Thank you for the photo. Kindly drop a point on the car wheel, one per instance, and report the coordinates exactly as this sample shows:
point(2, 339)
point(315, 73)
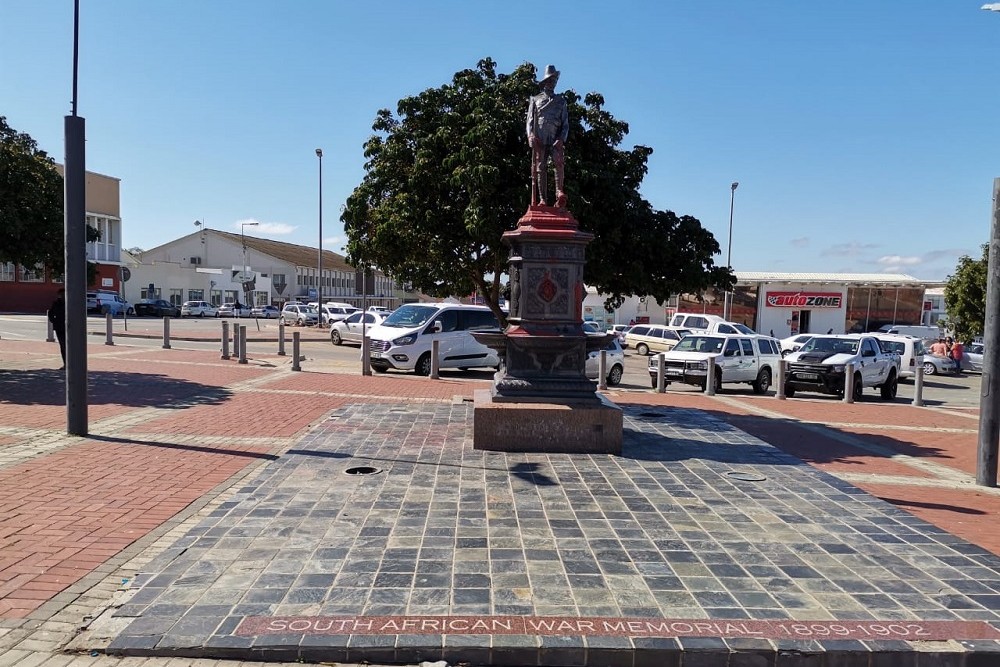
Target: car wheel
point(335, 337)
point(653, 381)
point(105, 309)
point(130, 312)
point(763, 381)
point(380, 369)
point(929, 368)
point(718, 381)
point(859, 388)
point(615, 376)
point(642, 349)
point(423, 366)
point(790, 392)
point(300, 322)
point(201, 314)
point(889, 388)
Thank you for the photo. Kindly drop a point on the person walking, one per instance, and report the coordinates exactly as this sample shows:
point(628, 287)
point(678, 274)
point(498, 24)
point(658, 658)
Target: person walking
point(940, 348)
point(57, 316)
point(957, 352)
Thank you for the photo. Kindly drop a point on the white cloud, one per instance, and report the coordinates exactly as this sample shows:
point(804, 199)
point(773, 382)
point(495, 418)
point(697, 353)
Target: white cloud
point(899, 260)
point(852, 249)
point(265, 228)
point(800, 242)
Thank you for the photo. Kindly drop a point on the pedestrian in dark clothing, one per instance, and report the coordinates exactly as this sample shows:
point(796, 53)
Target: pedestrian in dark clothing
point(57, 316)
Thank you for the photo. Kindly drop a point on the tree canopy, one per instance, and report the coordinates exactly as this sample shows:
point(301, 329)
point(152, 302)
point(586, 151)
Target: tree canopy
point(965, 296)
point(450, 172)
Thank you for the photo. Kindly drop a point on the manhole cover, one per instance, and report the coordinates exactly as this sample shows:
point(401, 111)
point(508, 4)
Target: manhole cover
point(362, 470)
point(746, 476)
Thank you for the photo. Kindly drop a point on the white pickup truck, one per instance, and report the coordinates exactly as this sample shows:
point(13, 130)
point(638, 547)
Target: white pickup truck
point(750, 359)
point(820, 365)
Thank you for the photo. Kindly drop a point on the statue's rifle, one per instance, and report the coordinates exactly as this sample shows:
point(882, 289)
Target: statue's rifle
point(534, 156)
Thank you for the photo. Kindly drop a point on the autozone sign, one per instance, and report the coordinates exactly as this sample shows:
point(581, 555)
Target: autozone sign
point(805, 299)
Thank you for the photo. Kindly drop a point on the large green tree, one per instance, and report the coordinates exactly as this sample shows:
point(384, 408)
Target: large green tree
point(965, 296)
point(449, 173)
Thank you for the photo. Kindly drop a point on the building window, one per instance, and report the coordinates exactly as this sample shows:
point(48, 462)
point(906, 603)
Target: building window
point(7, 272)
point(36, 274)
point(232, 296)
point(176, 297)
point(196, 295)
point(216, 297)
point(144, 293)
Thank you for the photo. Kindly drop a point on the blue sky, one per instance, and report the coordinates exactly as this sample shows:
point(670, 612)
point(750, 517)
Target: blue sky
point(862, 132)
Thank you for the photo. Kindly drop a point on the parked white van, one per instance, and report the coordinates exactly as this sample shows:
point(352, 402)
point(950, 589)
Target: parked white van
point(910, 350)
point(700, 323)
point(922, 332)
point(404, 339)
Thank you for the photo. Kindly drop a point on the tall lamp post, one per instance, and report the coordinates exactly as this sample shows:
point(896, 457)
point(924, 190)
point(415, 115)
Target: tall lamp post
point(319, 257)
point(243, 238)
point(727, 307)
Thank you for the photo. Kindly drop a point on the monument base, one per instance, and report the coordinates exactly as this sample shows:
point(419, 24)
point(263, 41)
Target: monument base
point(555, 428)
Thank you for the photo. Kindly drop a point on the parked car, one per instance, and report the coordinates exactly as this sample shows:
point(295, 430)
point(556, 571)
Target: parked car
point(793, 343)
point(266, 312)
point(972, 360)
point(934, 365)
point(198, 309)
point(156, 308)
point(299, 314)
point(698, 323)
point(592, 328)
point(614, 363)
point(334, 312)
point(646, 338)
point(352, 328)
point(233, 309)
point(404, 339)
point(619, 330)
point(821, 365)
point(910, 349)
point(380, 309)
point(103, 302)
point(738, 359)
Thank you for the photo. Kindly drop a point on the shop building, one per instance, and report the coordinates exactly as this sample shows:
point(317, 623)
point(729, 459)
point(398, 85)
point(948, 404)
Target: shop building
point(785, 304)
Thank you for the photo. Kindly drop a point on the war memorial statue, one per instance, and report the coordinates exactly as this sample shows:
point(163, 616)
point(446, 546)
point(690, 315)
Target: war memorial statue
point(547, 126)
point(542, 399)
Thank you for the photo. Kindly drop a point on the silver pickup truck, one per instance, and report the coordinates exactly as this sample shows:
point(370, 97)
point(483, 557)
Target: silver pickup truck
point(820, 365)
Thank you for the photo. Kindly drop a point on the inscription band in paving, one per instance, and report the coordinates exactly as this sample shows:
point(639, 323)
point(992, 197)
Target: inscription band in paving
point(614, 627)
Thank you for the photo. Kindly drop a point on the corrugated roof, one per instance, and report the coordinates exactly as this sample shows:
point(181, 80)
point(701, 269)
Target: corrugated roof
point(887, 278)
point(299, 255)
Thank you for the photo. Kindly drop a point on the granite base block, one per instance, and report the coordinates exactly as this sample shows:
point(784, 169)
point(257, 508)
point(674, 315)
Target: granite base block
point(564, 428)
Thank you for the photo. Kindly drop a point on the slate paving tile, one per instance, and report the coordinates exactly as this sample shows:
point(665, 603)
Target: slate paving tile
point(471, 537)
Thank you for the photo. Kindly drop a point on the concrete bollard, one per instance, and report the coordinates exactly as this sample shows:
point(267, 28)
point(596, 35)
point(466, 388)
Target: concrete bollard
point(849, 383)
point(661, 373)
point(779, 392)
point(243, 344)
point(109, 328)
point(166, 332)
point(295, 351)
point(50, 336)
point(435, 359)
point(281, 338)
point(225, 339)
point(918, 386)
point(710, 377)
point(366, 360)
point(602, 370)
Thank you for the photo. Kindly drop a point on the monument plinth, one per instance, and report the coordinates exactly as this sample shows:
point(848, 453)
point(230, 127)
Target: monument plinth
point(541, 399)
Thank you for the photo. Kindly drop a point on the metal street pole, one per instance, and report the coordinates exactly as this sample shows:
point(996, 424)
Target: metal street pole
point(243, 239)
point(75, 240)
point(319, 258)
point(989, 411)
point(727, 305)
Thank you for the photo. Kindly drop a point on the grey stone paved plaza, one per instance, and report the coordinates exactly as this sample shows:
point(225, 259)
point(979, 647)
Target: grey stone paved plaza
point(754, 556)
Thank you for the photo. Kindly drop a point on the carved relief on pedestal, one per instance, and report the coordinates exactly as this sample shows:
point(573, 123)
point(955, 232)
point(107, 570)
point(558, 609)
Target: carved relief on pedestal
point(546, 292)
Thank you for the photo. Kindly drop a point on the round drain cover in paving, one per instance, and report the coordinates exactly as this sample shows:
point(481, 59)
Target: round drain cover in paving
point(744, 476)
point(362, 470)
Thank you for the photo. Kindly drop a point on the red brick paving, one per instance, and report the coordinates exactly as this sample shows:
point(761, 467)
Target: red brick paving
point(66, 513)
point(376, 385)
point(51, 416)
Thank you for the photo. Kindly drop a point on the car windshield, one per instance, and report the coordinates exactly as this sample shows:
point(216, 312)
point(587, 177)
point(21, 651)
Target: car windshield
point(409, 316)
point(742, 328)
point(700, 344)
point(838, 345)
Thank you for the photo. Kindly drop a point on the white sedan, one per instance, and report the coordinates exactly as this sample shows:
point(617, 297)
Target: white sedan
point(793, 343)
point(614, 363)
point(354, 326)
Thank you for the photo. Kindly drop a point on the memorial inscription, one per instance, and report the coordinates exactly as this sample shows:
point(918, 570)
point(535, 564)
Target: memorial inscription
point(615, 627)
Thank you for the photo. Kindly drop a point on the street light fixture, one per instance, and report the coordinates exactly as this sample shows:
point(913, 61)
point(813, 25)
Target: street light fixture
point(727, 307)
point(243, 226)
point(319, 257)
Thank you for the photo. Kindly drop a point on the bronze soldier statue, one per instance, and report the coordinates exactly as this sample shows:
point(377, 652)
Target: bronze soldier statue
point(547, 127)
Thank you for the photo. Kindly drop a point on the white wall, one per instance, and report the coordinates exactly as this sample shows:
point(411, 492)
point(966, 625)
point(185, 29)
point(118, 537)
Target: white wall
point(821, 320)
